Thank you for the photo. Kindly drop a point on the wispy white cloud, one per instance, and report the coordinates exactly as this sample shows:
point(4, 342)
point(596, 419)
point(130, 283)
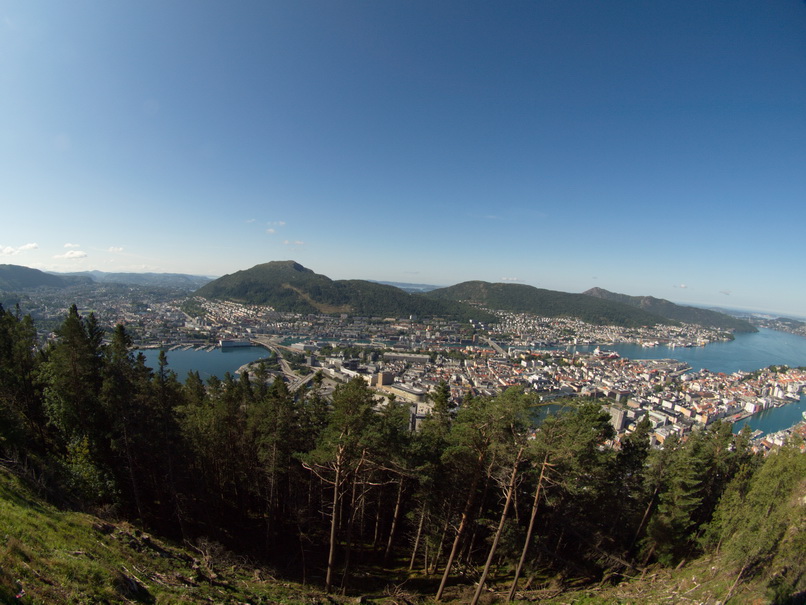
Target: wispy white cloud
point(295, 243)
point(276, 223)
point(115, 249)
point(72, 254)
point(510, 279)
point(69, 245)
point(250, 220)
point(681, 286)
point(12, 251)
point(271, 231)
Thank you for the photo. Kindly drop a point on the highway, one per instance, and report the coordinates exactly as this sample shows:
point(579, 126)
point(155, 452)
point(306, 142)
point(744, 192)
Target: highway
point(295, 381)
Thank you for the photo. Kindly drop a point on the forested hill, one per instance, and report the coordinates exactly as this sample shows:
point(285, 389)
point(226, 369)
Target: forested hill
point(334, 489)
point(548, 303)
point(670, 310)
point(175, 280)
point(288, 286)
point(14, 278)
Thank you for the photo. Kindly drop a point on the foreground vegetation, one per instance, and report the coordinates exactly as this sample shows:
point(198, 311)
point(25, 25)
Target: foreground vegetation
point(478, 504)
point(53, 556)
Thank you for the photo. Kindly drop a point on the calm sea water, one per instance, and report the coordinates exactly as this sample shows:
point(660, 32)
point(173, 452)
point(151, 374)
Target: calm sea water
point(207, 363)
point(748, 352)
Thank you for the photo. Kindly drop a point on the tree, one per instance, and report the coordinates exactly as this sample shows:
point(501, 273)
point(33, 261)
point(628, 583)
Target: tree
point(483, 428)
point(341, 453)
point(21, 414)
point(72, 377)
point(572, 471)
point(760, 523)
point(271, 426)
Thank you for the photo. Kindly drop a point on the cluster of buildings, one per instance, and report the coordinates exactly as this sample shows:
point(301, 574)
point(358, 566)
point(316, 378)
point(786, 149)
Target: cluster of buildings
point(409, 357)
point(674, 399)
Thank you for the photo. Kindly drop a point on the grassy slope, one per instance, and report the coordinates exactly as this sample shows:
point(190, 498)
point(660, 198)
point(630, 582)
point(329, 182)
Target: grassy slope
point(67, 557)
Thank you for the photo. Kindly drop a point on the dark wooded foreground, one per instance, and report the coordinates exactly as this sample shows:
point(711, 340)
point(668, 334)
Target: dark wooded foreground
point(340, 493)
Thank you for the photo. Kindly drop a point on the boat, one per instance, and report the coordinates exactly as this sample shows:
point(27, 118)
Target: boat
point(229, 344)
point(803, 414)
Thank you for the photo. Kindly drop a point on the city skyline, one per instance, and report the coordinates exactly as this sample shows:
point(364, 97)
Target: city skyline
point(647, 149)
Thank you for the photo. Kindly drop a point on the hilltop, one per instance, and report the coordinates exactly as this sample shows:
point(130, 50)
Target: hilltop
point(288, 286)
point(674, 312)
point(15, 277)
point(174, 280)
point(521, 298)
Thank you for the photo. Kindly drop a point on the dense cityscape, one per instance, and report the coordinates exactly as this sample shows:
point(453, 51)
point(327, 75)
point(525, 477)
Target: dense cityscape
point(409, 357)
point(343, 432)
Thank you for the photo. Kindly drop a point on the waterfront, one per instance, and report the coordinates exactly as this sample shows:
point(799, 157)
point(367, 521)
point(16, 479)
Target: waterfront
point(774, 419)
point(207, 363)
point(748, 352)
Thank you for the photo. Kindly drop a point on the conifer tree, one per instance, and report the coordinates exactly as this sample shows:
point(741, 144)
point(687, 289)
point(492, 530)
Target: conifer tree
point(340, 455)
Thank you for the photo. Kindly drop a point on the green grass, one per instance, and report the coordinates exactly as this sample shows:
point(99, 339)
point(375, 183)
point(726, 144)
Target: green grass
point(55, 556)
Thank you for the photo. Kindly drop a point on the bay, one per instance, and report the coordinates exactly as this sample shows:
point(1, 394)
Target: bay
point(774, 419)
point(748, 352)
point(207, 363)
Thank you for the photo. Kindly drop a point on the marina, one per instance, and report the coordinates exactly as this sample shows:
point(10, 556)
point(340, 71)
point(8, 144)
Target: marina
point(748, 352)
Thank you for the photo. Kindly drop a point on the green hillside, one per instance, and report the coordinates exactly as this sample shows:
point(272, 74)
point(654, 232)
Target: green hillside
point(288, 286)
point(53, 556)
point(548, 303)
point(674, 312)
point(177, 280)
point(14, 278)
point(336, 491)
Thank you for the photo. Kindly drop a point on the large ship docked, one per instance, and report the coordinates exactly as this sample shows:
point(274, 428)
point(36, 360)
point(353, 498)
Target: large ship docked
point(231, 344)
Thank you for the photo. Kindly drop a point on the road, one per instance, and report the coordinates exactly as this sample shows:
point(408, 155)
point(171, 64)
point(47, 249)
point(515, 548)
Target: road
point(295, 381)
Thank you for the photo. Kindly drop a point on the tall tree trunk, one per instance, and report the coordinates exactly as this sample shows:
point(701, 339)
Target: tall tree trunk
point(395, 517)
point(645, 517)
point(376, 535)
point(334, 520)
point(130, 464)
point(417, 539)
point(497, 538)
point(530, 530)
point(351, 520)
point(460, 532)
point(441, 544)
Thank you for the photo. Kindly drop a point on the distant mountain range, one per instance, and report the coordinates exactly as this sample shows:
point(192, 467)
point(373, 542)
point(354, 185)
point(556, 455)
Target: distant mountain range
point(670, 310)
point(407, 287)
point(521, 298)
point(15, 278)
point(288, 286)
point(174, 280)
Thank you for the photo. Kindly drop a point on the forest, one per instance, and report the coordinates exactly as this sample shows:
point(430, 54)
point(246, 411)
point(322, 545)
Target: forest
point(342, 493)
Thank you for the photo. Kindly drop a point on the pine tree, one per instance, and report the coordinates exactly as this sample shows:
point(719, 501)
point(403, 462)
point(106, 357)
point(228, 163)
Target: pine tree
point(340, 455)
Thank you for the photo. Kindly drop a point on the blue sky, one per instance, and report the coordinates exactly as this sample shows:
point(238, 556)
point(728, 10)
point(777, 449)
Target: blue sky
point(646, 147)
